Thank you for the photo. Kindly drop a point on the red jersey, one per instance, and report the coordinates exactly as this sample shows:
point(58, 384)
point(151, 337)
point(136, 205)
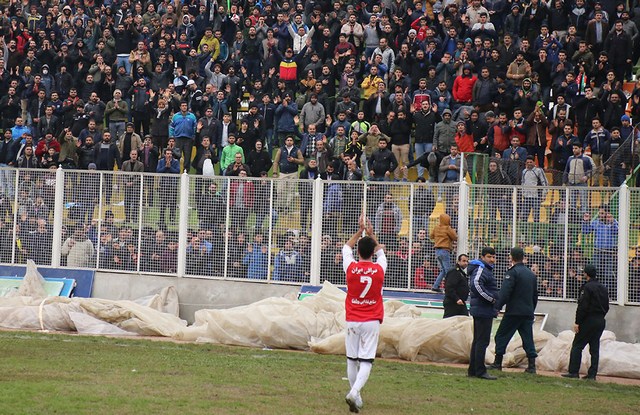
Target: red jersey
point(364, 287)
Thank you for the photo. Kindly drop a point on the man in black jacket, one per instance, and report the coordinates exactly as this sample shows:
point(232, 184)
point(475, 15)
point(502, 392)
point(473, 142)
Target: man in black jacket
point(383, 162)
point(519, 292)
point(456, 289)
point(593, 305)
point(425, 121)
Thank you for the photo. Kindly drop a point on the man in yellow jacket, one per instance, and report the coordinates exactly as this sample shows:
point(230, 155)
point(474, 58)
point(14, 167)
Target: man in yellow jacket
point(370, 82)
point(443, 237)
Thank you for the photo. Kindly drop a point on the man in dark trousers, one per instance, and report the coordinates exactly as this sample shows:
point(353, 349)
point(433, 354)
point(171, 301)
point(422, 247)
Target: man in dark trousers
point(456, 289)
point(484, 296)
point(593, 305)
point(519, 292)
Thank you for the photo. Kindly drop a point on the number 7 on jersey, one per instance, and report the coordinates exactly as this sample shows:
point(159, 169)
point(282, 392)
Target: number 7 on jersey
point(365, 280)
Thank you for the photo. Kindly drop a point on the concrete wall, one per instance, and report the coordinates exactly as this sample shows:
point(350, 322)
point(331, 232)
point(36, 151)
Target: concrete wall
point(196, 294)
point(623, 321)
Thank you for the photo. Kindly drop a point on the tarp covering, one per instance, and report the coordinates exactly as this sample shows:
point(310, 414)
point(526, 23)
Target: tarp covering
point(316, 324)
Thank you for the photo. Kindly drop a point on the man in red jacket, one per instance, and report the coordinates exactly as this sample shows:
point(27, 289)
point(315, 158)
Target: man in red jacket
point(463, 86)
point(364, 307)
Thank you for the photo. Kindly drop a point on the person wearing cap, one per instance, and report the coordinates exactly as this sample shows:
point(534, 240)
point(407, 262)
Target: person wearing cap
point(519, 293)
point(128, 141)
point(116, 113)
point(593, 306)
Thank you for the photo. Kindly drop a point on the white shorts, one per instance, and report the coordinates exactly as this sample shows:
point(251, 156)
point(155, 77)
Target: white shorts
point(361, 340)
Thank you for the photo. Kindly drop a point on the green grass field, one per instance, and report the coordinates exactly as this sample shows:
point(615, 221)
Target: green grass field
point(68, 374)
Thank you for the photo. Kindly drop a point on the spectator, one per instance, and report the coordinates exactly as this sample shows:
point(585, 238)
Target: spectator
point(78, 249)
point(383, 162)
point(128, 141)
point(599, 141)
point(285, 167)
point(168, 186)
point(388, 220)
point(132, 186)
point(183, 129)
point(116, 112)
point(605, 231)
point(287, 263)
point(577, 172)
point(257, 258)
point(444, 238)
point(531, 197)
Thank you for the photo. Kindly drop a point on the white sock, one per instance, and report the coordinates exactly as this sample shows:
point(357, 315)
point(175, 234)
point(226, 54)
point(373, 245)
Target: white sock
point(363, 376)
point(352, 371)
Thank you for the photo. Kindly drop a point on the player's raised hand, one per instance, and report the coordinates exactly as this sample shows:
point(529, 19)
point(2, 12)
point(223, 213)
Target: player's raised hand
point(368, 227)
point(362, 222)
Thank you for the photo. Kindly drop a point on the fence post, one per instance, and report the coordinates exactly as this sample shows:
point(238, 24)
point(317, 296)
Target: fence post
point(565, 270)
point(58, 209)
point(14, 231)
point(141, 200)
point(316, 231)
point(183, 224)
point(624, 213)
point(463, 218)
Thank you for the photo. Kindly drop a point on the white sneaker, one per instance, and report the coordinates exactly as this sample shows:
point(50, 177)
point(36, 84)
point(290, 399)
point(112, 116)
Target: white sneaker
point(352, 401)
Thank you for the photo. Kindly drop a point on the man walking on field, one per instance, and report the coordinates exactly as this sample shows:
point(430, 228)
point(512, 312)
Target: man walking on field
point(364, 308)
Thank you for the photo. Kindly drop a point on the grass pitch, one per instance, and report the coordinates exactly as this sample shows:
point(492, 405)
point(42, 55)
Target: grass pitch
point(68, 374)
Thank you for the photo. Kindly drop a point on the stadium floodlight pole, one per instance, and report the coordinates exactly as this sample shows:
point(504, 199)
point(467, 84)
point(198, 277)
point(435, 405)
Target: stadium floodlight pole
point(183, 224)
point(58, 209)
point(623, 242)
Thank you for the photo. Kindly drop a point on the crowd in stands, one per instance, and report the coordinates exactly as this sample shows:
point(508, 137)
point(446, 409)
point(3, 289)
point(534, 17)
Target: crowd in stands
point(340, 90)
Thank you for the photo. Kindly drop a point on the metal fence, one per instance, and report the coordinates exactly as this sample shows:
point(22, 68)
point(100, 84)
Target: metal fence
point(292, 231)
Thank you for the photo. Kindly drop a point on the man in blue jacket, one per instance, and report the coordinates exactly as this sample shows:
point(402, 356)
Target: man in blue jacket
point(519, 292)
point(605, 245)
point(183, 129)
point(284, 116)
point(484, 296)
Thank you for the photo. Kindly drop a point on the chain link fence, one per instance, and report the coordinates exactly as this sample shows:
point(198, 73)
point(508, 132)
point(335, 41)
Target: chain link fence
point(292, 231)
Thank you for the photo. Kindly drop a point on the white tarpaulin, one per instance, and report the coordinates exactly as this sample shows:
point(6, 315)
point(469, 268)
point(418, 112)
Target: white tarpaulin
point(315, 323)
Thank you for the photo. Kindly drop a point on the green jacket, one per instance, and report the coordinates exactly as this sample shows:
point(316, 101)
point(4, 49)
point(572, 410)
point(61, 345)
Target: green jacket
point(229, 154)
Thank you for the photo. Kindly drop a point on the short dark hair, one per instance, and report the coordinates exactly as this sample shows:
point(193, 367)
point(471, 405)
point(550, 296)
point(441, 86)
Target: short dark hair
point(461, 256)
point(517, 254)
point(366, 246)
point(488, 250)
